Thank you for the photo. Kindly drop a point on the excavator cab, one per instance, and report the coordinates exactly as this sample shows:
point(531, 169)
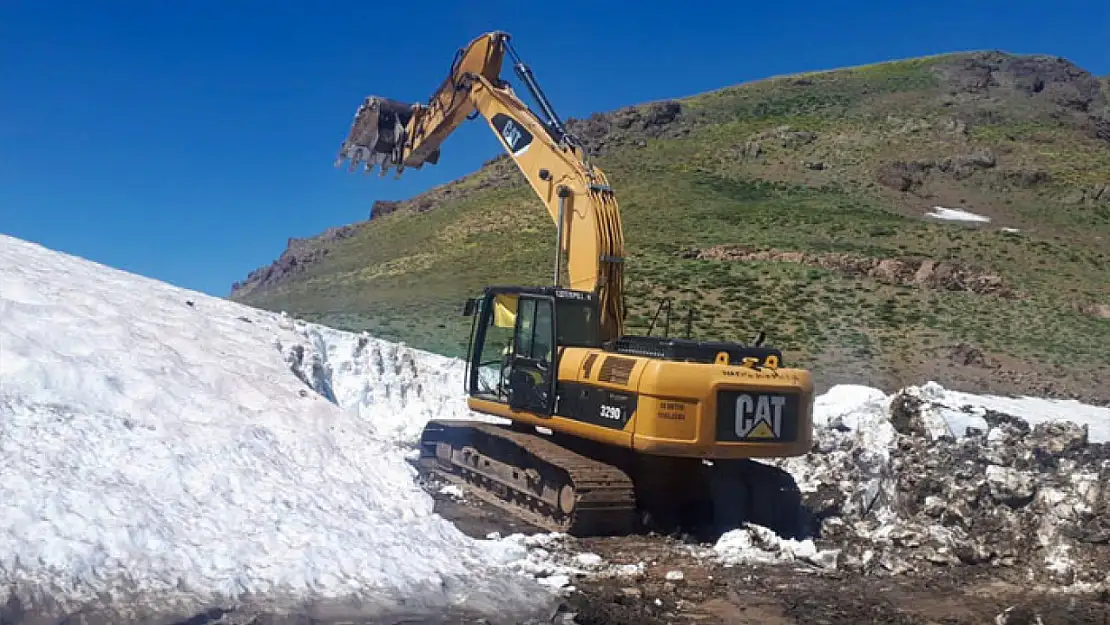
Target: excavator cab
point(514, 339)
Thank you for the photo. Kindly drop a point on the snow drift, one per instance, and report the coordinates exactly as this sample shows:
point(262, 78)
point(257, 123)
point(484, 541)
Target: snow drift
point(158, 453)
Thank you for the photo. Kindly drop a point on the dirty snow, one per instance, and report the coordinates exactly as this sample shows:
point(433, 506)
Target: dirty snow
point(551, 560)
point(157, 449)
point(753, 543)
point(932, 477)
point(959, 410)
point(956, 214)
point(452, 491)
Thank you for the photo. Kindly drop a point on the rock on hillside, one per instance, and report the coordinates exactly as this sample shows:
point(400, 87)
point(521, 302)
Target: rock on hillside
point(632, 126)
point(915, 272)
point(1053, 84)
point(1053, 80)
point(298, 254)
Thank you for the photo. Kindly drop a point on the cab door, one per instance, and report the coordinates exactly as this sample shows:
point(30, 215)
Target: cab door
point(533, 370)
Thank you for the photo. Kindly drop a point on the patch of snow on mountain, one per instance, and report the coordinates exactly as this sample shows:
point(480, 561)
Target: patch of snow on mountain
point(956, 214)
point(158, 450)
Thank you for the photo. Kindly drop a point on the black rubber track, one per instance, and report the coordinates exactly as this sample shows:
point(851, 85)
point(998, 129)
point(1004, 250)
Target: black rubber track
point(605, 495)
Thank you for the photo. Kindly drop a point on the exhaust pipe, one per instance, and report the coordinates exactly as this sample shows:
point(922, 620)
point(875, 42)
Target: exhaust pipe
point(377, 135)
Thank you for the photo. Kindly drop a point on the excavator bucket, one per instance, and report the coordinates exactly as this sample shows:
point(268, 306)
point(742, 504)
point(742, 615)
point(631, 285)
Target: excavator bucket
point(377, 134)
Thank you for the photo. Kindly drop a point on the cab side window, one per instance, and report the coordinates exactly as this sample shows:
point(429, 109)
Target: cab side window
point(541, 340)
point(534, 337)
point(527, 315)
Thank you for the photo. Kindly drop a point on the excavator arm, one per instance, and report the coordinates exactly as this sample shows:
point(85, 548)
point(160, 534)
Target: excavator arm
point(577, 194)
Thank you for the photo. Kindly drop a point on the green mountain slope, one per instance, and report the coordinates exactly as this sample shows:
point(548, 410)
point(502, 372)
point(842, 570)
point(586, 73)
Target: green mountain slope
point(794, 205)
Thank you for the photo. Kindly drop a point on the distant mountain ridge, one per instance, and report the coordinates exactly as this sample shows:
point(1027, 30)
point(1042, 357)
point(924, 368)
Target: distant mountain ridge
point(839, 164)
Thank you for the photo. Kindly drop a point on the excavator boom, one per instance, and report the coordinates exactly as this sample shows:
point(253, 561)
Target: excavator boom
point(391, 134)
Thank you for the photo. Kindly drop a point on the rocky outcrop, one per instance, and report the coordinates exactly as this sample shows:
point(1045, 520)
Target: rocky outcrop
point(1026, 178)
point(1100, 127)
point(1053, 79)
point(970, 356)
point(496, 173)
point(602, 133)
point(786, 136)
point(1066, 90)
point(383, 207)
point(916, 272)
point(299, 254)
point(749, 151)
point(902, 175)
point(910, 175)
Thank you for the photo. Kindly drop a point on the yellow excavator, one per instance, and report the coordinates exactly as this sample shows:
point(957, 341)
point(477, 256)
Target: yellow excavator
point(609, 433)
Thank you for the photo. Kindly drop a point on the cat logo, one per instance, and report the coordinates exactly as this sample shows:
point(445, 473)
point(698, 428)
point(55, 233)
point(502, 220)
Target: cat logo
point(759, 416)
point(516, 137)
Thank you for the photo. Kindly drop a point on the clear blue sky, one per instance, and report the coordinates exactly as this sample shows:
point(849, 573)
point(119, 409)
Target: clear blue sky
point(187, 141)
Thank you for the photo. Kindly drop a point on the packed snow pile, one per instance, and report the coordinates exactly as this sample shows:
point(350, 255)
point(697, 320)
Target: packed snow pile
point(159, 454)
point(393, 388)
point(931, 477)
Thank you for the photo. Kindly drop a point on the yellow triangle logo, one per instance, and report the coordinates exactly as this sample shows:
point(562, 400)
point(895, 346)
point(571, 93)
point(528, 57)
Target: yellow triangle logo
point(761, 431)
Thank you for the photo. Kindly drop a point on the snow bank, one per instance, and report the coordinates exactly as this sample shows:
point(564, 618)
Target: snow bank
point(932, 477)
point(158, 453)
point(956, 214)
point(960, 410)
point(394, 389)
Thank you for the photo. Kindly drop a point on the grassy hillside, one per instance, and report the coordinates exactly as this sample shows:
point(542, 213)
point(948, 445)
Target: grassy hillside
point(794, 205)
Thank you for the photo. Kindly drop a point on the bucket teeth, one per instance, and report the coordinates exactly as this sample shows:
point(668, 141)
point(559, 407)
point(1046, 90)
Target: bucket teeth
point(376, 136)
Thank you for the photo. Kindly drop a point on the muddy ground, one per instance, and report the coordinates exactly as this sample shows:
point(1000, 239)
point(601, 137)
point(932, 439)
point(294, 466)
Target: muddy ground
point(782, 594)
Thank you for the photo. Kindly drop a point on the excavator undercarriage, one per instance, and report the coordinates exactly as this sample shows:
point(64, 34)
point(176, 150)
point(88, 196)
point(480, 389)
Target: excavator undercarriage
point(550, 482)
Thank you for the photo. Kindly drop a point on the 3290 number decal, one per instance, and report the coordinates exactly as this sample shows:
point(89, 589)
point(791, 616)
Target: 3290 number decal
point(610, 412)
